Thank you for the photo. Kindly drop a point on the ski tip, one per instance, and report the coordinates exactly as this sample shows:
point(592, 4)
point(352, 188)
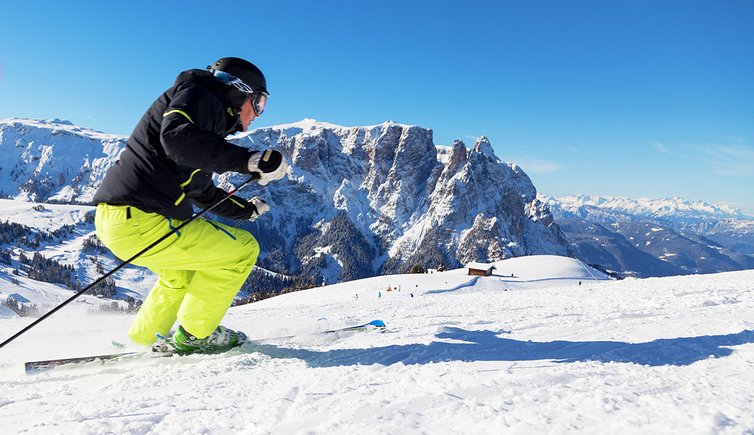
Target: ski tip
point(30, 368)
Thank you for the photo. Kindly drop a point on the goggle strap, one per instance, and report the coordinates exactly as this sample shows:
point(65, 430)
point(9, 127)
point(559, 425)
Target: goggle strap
point(258, 99)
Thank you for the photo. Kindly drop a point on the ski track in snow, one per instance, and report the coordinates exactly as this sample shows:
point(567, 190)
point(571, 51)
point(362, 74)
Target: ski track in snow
point(530, 354)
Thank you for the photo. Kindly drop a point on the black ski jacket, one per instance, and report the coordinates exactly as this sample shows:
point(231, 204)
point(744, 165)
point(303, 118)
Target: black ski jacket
point(169, 158)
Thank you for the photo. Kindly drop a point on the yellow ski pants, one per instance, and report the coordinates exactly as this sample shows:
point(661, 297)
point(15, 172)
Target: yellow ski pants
point(200, 268)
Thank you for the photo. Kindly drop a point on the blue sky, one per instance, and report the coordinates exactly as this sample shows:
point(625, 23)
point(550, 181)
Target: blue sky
point(630, 98)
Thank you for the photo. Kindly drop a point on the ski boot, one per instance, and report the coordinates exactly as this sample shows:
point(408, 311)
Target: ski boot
point(183, 343)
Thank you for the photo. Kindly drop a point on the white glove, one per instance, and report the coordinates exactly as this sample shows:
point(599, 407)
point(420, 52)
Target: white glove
point(261, 207)
point(270, 165)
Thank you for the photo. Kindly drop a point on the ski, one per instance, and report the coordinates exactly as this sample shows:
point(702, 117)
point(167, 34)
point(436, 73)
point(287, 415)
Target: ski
point(33, 367)
point(374, 325)
point(39, 366)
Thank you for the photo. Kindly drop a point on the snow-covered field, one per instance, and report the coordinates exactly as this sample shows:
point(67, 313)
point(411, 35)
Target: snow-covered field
point(549, 350)
point(132, 280)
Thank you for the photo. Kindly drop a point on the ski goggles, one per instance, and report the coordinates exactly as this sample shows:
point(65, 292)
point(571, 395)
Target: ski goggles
point(258, 98)
point(258, 102)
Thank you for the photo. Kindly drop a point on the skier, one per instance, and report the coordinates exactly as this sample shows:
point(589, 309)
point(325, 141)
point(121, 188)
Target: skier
point(166, 169)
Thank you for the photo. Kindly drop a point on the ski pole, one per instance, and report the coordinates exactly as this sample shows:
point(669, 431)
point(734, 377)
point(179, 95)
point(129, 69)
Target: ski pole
point(254, 176)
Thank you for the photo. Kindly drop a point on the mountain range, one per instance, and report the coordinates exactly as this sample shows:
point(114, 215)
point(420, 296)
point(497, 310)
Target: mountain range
point(356, 202)
point(655, 237)
point(362, 201)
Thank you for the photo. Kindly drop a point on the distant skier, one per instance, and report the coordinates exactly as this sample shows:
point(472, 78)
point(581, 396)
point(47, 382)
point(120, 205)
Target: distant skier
point(166, 169)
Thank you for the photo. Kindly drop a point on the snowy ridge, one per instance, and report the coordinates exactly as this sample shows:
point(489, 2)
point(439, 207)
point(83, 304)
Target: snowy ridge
point(655, 237)
point(668, 208)
point(549, 350)
point(313, 124)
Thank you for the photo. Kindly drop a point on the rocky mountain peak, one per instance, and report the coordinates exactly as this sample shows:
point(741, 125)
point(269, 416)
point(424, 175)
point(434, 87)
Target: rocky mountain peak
point(357, 201)
point(483, 146)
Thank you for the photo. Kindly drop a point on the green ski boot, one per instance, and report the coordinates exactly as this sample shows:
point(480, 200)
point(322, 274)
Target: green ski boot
point(221, 340)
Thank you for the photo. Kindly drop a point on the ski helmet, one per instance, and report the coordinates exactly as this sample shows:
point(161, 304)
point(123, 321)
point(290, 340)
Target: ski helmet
point(244, 70)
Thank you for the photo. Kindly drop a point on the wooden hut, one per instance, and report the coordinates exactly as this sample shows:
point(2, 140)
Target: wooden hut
point(480, 269)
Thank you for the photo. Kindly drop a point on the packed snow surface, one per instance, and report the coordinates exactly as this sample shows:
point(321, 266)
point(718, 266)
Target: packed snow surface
point(553, 348)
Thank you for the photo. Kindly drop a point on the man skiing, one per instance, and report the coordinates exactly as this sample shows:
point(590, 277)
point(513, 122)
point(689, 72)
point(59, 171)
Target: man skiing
point(165, 169)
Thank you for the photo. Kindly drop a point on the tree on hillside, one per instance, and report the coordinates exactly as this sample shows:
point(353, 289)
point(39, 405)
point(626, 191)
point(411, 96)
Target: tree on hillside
point(417, 268)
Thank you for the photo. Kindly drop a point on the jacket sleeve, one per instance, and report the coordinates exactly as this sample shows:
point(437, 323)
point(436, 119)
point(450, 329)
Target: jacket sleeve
point(188, 133)
point(204, 193)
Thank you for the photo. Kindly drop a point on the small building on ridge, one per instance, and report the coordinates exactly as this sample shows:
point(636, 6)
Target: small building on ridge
point(480, 269)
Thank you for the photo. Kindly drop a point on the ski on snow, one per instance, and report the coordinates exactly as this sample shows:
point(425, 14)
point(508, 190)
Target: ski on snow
point(40, 366)
point(374, 325)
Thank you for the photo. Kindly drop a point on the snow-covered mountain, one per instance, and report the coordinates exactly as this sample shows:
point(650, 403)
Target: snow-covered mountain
point(673, 209)
point(535, 353)
point(405, 201)
point(656, 237)
point(357, 201)
point(53, 160)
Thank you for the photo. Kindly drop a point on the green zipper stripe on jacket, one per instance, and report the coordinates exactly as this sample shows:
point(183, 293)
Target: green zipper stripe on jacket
point(237, 203)
point(181, 112)
point(180, 198)
point(184, 184)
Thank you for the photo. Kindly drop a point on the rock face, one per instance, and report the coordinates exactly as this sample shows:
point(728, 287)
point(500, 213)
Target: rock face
point(396, 199)
point(357, 201)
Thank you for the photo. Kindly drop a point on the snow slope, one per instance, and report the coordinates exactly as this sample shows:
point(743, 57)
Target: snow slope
point(533, 353)
point(131, 280)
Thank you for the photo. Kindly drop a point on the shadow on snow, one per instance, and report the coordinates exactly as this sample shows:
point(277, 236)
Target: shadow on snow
point(488, 346)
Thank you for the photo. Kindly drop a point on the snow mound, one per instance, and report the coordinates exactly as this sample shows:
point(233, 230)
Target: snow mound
point(547, 267)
